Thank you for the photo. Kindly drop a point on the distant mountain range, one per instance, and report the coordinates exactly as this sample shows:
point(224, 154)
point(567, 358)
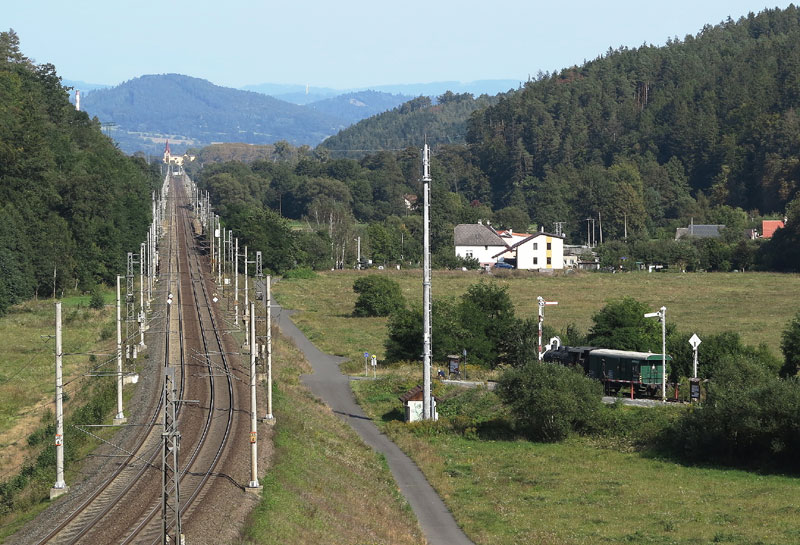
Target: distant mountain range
point(302, 94)
point(142, 113)
point(190, 112)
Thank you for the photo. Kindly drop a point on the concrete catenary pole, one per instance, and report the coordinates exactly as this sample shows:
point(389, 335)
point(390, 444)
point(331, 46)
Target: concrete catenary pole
point(120, 418)
point(426, 287)
point(247, 314)
point(270, 417)
point(60, 487)
point(253, 419)
point(236, 283)
point(142, 324)
point(220, 237)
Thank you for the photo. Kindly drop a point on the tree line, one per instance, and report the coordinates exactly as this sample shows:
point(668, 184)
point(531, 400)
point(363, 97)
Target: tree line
point(72, 204)
point(641, 141)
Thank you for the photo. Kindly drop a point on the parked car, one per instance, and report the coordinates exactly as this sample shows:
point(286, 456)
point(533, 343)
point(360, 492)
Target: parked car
point(503, 265)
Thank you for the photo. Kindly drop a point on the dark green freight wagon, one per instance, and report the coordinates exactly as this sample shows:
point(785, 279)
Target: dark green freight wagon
point(626, 370)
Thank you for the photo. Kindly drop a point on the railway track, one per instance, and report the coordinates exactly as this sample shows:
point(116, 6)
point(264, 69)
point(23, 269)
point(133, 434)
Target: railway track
point(126, 507)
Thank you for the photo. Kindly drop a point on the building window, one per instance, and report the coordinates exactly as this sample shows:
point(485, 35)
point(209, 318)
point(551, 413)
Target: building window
point(469, 253)
point(549, 245)
point(535, 245)
point(535, 260)
point(549, 260)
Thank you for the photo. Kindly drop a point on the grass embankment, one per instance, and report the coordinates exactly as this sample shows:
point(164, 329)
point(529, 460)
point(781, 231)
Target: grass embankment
point(756, 305)
point(325, 485)
point(27, 387)
point(504, 490)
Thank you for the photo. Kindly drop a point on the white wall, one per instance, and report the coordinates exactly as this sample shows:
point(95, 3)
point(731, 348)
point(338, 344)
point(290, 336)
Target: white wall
point(482, 253)
point(534, 253)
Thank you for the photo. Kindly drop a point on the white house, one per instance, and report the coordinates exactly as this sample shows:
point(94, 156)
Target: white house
point(538, 251)
point(478, 241)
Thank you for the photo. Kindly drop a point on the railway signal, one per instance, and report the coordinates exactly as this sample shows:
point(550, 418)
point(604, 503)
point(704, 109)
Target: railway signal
point(661, 314)
point(542, 304)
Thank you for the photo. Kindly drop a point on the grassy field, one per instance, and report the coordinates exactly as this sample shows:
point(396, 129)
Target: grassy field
point(506, 491)
point(756, 305)
point(583, 491)
point(325, 485)
point(27, 382)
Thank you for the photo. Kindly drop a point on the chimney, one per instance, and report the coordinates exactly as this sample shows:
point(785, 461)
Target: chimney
point(479, 222)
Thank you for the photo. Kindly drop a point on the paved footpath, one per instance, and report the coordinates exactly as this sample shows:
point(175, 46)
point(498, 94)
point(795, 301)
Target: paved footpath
point(333, 388)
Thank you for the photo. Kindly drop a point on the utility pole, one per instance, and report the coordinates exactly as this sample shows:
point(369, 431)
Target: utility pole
point(269, 418)
point(253, 485)
point(120, 418)
point(142, 325)
point(170, 471)
point(220, 236)
point(130, 303)
point(236, 284)
point(60, 487)
point(358, 266)
point(426, 286)
point(247, 314)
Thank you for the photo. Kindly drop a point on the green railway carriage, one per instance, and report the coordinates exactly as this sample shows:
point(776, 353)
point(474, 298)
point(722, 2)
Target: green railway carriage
point(623, 369)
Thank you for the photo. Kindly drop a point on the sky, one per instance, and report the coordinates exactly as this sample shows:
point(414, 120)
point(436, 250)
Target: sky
point(346, 43)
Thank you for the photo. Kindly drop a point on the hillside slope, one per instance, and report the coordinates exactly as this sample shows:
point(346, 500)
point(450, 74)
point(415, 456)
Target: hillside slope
point(720, 108)
point(194, 112)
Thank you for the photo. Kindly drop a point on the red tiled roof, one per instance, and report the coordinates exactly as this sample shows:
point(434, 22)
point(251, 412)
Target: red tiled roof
point(768, 227)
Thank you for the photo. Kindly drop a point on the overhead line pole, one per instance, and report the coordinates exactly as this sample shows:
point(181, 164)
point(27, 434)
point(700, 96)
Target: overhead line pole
point(426, 287)
point(120, 418)
point(60, 487)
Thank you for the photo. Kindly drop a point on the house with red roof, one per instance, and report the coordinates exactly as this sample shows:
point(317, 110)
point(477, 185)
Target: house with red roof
point(768, 227)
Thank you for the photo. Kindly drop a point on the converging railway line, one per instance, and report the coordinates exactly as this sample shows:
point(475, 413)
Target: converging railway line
point(210, 389)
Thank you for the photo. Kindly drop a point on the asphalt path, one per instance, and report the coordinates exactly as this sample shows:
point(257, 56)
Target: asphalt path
point(329, 384)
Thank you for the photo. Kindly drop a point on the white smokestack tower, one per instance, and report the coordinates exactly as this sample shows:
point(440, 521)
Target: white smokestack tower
point(78, 100)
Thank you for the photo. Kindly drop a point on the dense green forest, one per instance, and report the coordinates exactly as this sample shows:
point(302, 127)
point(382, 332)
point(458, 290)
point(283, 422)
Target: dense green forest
point(72, 203)
point(409, 124)
point(704, 130)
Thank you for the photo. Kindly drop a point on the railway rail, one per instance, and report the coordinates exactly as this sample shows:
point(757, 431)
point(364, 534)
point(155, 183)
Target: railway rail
point(126, 507)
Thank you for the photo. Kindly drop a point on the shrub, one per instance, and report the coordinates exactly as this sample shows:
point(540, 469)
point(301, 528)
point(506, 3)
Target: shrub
point(96, 302)
point(790, 346)
point(749, 419)
point(548, 401)
point(378, 296)
point(300, 273)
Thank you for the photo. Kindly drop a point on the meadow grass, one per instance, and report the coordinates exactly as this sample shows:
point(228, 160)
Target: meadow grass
point(758, 306)
point(27, 362)
point(324, 485)
point(505, 490)
point(582, 491)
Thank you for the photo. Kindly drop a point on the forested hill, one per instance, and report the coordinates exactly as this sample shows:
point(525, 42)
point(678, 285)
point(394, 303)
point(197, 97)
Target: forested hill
point(72, 204)
point(193, 112)
point(635, 131)
point(409, 124)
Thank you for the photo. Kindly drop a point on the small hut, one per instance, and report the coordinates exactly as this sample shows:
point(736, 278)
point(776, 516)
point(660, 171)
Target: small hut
point(412, 401)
